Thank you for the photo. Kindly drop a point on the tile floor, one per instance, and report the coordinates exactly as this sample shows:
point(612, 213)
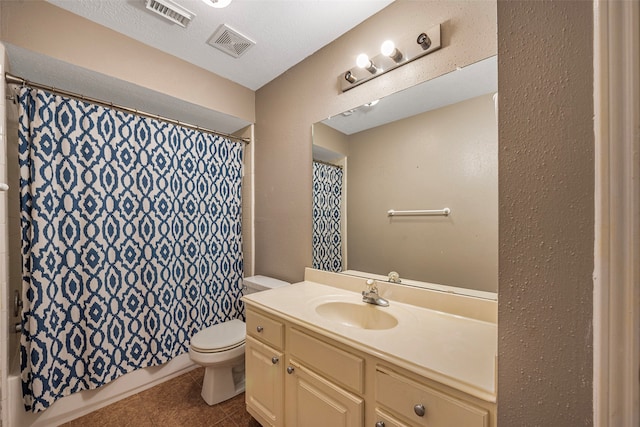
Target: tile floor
point(174, 403)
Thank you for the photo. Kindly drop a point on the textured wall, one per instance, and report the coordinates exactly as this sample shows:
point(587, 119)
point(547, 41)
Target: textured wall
point(546, 184)
point(308, 93)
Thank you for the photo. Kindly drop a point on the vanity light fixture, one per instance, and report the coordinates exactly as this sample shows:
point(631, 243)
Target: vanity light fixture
point(390, 57)
point(219, 4)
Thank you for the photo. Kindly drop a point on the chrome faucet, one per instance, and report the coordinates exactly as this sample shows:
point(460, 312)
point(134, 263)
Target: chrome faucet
point(371, 296)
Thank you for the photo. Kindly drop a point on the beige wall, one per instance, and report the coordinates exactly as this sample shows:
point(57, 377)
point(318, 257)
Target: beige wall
point(46, 29)
point(248, 252)
point(331, 139)
point(308, 93)
point(546, 181)
point(443, 158)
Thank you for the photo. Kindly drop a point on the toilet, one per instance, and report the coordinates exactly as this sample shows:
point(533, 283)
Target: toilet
point(220, 349)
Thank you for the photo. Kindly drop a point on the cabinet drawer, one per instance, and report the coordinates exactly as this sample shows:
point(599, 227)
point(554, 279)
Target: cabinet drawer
point(265, 329)
point(404, 397)
point(387, 420)
point(340, 366)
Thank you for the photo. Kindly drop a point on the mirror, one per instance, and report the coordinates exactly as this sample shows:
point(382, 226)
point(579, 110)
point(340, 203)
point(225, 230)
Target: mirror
point(427, 148)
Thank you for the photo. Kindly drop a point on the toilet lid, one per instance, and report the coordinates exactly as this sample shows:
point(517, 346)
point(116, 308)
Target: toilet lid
point(220, 337)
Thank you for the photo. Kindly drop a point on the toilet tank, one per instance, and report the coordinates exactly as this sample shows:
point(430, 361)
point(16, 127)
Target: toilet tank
point(261, 283)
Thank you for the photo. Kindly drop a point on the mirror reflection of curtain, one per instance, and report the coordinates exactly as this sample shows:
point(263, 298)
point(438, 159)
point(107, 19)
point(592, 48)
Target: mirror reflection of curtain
point(327, 200)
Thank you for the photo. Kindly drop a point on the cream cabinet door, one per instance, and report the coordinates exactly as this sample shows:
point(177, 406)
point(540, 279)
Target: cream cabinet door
point(264, 389)
point(313, 401)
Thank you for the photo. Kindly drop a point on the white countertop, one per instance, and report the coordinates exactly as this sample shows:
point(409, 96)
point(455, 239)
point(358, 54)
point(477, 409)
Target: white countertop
point(454, 350)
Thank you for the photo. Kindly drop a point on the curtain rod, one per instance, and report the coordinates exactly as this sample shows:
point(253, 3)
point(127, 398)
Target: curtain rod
point(327, 163)
point(11, 79)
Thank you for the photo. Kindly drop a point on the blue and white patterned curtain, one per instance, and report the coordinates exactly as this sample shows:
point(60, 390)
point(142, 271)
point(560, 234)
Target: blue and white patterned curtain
point(327, 200)
point(131, 242)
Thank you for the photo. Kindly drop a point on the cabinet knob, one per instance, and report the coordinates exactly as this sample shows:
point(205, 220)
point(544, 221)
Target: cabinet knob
point(419, 410)
point(274, 360)
point(380, 424)
point(259, 329)
point(290, 369)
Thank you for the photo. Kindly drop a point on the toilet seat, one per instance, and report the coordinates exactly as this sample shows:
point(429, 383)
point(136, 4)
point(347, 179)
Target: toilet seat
point(216, 350)
point(221, 337)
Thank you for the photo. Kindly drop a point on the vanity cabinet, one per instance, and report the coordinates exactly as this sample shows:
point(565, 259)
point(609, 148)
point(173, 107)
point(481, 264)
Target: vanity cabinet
point(297, 377)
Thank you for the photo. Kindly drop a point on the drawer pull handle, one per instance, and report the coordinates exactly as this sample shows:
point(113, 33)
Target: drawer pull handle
point(274, 360)
point(259, 329)
point(290, 369)
point(380, 424)
point(419, 410)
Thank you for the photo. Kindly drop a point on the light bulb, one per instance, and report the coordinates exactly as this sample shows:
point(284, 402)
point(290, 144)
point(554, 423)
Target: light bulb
point(387, 48)
point(362, 61)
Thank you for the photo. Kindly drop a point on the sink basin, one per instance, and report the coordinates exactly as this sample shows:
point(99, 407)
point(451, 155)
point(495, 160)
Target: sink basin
point(363, 316)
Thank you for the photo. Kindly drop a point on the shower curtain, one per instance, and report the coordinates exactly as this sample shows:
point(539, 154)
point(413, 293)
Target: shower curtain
point(327, 202)
point(131, 242)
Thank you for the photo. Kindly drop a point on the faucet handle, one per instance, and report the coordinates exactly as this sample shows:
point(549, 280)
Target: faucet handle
point(371, 285)
point(394, 277)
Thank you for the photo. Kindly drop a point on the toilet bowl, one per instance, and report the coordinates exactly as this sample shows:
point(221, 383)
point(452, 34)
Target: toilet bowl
point(220, 349)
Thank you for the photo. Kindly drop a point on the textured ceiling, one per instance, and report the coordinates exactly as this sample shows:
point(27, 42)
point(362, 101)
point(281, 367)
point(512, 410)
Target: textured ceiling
point(285, 31)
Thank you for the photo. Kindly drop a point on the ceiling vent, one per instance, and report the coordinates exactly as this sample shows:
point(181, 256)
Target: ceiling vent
point(230, 41)
point(171, 11)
